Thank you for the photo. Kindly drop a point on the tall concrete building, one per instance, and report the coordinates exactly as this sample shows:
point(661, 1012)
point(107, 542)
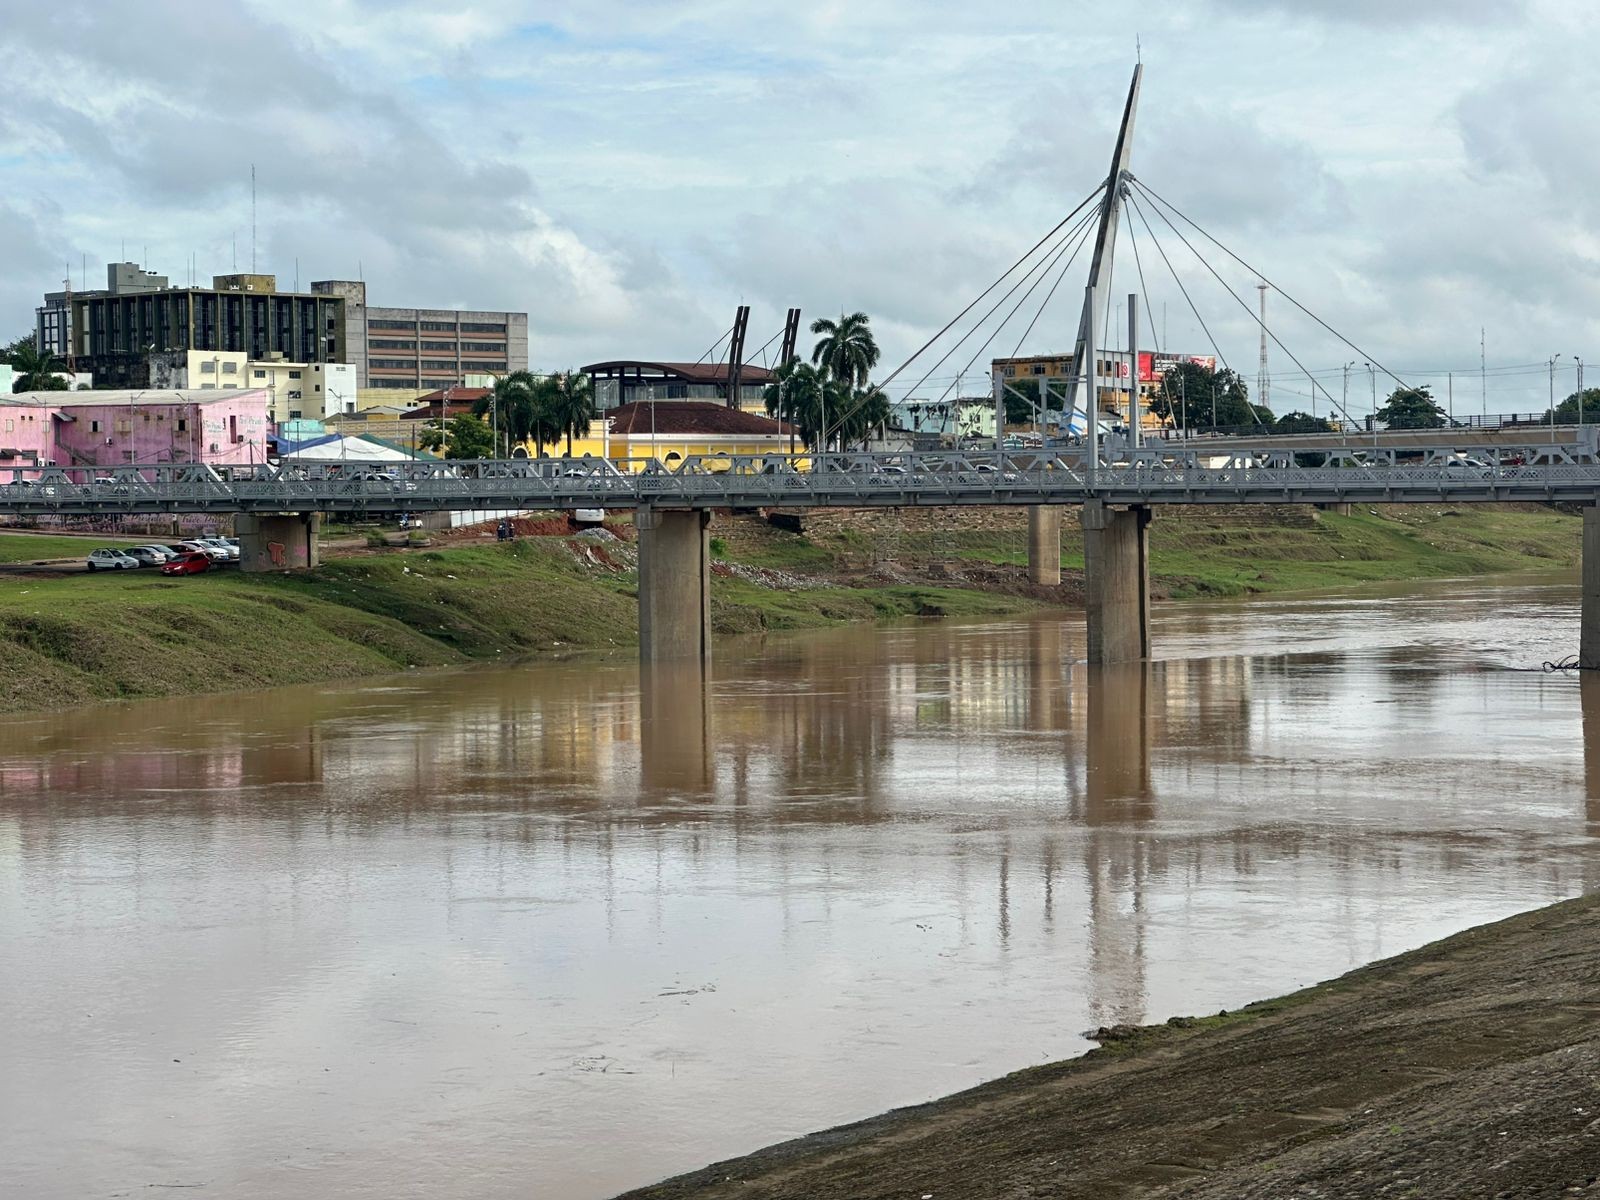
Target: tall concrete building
point(53, 318)
point(425, 349)
point(115, 334)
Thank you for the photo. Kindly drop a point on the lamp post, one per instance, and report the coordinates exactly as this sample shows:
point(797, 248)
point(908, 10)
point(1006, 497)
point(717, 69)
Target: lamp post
point(1553, 358)
point(1344, 399)
point(1579, 361)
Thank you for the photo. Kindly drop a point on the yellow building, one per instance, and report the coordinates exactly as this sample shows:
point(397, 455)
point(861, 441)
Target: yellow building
point(670, 431)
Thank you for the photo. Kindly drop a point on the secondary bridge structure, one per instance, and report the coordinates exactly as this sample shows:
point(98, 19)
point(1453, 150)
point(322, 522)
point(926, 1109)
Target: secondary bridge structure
point(277, 508)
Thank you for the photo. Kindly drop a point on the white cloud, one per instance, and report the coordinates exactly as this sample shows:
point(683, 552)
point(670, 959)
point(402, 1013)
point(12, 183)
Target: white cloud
point(628, 172)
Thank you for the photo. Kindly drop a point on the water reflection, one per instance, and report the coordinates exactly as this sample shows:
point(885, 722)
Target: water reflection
point(544, 920)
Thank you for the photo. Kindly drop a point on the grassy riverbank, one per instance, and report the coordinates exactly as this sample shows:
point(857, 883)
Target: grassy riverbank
point(70, 639)
point(1465, 1068)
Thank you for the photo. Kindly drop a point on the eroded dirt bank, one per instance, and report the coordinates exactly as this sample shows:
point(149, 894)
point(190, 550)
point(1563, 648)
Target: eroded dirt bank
point(1468, 1068)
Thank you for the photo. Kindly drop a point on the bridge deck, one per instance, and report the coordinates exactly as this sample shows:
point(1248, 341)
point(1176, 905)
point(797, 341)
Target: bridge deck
point(1266, 473)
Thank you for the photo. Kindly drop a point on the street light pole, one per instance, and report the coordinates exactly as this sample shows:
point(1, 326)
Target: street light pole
point(1579, 361)
point(1553, 358)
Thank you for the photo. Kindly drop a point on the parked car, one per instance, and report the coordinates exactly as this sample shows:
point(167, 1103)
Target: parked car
point(150, 556)
point(107, 559)
point(215, 543)
point(214, 553)
point(190, 562)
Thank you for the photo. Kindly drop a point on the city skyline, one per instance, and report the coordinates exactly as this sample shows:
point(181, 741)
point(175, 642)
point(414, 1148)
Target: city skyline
point(627, 178)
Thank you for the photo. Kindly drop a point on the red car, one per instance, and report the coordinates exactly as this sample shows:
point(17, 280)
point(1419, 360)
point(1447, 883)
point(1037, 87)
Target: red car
point(191, 562)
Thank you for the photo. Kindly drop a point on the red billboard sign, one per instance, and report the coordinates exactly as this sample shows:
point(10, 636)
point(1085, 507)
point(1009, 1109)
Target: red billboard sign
point(1152, 366)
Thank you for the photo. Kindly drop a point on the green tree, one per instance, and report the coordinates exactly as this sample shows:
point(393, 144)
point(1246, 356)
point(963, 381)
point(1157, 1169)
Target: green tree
point(1302, 422)
point(1411, 408)
point(1567, 410)
point(8, 350)
point(465, 436)
point(846, 350)
point(1020, 408)
point(805, 396)
point(1195, 396)
point(863, 413)
point(35, 369)
point(570, 405)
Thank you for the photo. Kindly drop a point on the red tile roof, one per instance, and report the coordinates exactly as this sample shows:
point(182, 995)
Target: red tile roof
point(455, 401)
point(680, 417)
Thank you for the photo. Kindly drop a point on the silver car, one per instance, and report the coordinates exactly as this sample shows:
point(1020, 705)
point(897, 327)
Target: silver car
point(151, 556)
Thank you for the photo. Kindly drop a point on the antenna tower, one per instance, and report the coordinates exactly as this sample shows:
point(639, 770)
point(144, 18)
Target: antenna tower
point(1262, 392)
point(252, 218)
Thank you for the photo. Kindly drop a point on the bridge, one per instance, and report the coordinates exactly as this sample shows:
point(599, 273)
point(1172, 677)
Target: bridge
point(1118, 482)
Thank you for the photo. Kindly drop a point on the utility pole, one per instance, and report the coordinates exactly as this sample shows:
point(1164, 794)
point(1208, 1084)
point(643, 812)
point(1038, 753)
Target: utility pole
point(1483, 374)
point(1262, 394)
point(1579, 361)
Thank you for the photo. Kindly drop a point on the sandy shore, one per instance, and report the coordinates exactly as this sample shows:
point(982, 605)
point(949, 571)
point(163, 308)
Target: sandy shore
point(1467, 1068)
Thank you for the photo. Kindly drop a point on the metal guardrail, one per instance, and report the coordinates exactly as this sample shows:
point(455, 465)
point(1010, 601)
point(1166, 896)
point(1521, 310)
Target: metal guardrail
point(1153, 475)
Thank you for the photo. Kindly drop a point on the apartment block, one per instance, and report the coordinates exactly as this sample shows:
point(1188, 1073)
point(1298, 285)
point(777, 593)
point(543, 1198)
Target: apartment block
point(53, 319)
point(295, 390)
point(115, 334)
point(412, 349)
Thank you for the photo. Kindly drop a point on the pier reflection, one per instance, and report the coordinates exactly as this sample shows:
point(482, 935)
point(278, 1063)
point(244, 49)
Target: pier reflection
point(929, 853)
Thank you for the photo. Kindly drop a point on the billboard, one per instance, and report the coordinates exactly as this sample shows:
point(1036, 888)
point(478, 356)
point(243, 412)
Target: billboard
point(1152, 366)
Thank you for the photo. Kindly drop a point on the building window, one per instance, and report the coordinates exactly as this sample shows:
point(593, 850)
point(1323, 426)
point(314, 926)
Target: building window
point(1038, 369)
point(439, 326)
point(391, 344)
point(316, 387)
point(391, 324)
point(258, 374)
point(393, 364)
point(294, 374)
point(490, 346)
point(294, 395)
point(94, 426)
point(481, 327)
point(449, 346)
point(183, 425)
point(208, 368)
point(229, 368)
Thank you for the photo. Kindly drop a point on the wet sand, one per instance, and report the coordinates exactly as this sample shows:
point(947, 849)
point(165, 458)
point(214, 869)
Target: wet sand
point(1469, 1067)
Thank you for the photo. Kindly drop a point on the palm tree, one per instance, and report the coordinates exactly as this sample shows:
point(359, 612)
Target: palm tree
point(571, 405)
point(846, 349)
point(36, 370)
point(805, 397)
point(511, 405)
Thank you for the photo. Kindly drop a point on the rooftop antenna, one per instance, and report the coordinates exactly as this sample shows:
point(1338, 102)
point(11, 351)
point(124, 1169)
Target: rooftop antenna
point(252, 218)
point(1261, 376)
point(234, 243)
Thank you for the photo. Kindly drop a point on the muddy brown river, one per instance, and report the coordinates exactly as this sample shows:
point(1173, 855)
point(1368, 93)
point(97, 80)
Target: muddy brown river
point(538, 932)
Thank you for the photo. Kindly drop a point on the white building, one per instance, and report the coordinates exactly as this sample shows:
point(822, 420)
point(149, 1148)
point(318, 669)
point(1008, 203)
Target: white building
point(295, 390)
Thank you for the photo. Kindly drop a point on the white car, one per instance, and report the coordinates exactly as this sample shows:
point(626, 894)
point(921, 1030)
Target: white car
point(111, 560)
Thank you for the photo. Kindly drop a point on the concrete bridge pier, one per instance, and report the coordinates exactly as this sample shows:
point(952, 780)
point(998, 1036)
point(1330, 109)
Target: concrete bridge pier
point(1589, 619)
point(674, 585)
point(1044, 544)
point(278, 541)
point(1116, 581)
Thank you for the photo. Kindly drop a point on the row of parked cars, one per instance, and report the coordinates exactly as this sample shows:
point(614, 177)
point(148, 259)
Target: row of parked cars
point(178, 558)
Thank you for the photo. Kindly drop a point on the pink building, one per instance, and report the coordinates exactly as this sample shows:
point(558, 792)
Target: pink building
point(111, 429)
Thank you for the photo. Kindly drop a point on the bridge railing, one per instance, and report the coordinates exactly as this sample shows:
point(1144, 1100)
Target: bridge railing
point(1162, 473)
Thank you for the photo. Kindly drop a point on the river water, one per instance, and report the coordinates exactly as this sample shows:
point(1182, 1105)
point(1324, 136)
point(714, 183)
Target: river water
point(532, 932)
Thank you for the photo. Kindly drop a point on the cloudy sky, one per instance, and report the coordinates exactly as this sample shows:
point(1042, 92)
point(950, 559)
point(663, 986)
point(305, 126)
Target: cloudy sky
point(1411, 170)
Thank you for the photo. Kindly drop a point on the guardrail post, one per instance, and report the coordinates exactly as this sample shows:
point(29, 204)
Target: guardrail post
point(1044, 544)
point(674, 584)
point(1589, 619)
point(1116, 581)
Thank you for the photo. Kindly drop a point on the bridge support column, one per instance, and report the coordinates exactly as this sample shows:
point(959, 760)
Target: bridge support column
point(1044, 544)
point(1589, 620)
point(1116, 581)
point(278, 541)
point(674, 585)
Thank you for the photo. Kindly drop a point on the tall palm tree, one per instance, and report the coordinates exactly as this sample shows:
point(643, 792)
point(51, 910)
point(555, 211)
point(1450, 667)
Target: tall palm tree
point(846, 349)
point(571, 405)
point(36, 370)
point(512, 403)
point(807, 398)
